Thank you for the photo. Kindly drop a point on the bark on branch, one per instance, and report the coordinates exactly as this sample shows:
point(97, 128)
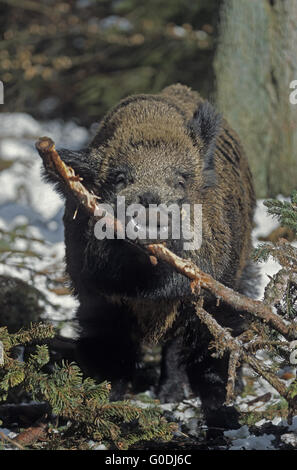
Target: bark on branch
point(237, 301)
point(237, 351)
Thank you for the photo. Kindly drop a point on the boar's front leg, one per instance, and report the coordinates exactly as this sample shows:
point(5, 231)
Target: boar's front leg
point(207, 374)
point(106, 349)
point(174, 384)
point(208, 379)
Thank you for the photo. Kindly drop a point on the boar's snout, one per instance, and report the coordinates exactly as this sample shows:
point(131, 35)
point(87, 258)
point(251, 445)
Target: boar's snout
point(150, 220)
point(148, 197)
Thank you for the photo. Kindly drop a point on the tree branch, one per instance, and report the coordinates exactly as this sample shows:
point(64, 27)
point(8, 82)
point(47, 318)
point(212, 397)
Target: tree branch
point(238, 348)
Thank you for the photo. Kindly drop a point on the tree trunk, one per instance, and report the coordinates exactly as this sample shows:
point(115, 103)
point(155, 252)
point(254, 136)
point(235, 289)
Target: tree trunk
point(255, 63)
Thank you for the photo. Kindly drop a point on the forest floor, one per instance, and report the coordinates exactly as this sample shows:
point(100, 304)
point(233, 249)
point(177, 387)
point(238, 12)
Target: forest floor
point(27, 203)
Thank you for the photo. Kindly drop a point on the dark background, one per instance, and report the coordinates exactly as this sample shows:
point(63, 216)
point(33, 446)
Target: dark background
point(76, 59)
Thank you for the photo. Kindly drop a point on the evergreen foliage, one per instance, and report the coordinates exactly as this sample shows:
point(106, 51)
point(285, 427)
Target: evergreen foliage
point(281, 291)
point(80, 401)
point(284, 211)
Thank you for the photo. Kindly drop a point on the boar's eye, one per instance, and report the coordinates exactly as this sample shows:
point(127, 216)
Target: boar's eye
point(120, 181)
point(181, 181)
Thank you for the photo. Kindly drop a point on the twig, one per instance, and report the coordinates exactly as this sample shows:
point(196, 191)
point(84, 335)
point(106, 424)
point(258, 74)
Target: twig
point(11, 441)
point(31, 435)
point(237, 301)
point(228, 343)
point(52, 162)
point(234, 362)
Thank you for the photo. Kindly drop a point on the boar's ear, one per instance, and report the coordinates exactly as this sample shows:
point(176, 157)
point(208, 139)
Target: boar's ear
point(81, 164)
point(205, 126)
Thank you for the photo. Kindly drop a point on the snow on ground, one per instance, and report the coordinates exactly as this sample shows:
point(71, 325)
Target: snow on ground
point(26, 199)
point(242, 439)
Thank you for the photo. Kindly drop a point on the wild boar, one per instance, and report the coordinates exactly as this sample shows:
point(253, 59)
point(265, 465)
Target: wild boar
point(172, 147)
